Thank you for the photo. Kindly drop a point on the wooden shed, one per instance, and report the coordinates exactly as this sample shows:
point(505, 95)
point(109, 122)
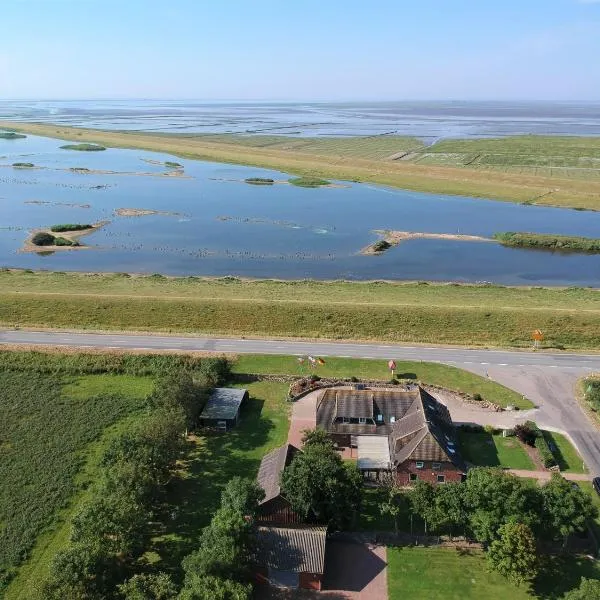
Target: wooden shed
point(222, 411)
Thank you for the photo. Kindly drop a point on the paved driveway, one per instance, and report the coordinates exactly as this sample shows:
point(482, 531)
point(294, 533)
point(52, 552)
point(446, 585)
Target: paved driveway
point(304, 416)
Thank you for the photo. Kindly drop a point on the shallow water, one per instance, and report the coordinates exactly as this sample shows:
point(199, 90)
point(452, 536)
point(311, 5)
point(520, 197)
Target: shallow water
point(226, 227)
point(427, 120)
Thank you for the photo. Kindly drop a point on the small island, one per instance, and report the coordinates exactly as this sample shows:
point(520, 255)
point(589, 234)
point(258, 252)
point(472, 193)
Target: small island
point(308, 182)
point(44, 239)
point(259, 181)
point(392, 238)
point(83, 147)
point(142, 212)
point(23, 165)
point(549, 241)
point(11, 135)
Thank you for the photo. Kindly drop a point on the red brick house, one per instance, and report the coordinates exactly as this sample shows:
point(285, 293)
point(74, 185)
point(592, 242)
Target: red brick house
point(404, 432)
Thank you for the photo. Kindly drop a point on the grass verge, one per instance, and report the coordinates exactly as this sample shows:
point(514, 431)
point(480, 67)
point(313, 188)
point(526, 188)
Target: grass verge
point(525, 169)
point(567, 457)
point(468, 315)
point(426, 372)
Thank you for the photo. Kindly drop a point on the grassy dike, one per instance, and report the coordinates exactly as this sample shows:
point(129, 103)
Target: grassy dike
point(471, 315)
point(525, 169)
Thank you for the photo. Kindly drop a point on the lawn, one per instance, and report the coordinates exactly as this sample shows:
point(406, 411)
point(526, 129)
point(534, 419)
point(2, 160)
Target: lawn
point(212, 460)
point(566, 455)
point(426, 372)
point(517, 169)
point(487, 450)
point(424, 573)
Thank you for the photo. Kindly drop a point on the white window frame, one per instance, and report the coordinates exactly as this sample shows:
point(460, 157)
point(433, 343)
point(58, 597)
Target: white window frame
point(362, 420)
point(419, 464)
point(436, 466)
point(413, 477)
point(441, 479)
point(380, 418)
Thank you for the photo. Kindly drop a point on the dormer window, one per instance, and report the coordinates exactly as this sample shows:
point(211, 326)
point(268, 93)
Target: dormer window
point(420, 464)
point(362, 420)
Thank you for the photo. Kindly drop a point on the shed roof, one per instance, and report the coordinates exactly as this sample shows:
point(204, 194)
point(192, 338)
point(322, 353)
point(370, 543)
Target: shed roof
point(271, 468)
point(296, 549)
point(224, 403)
point(373, 452)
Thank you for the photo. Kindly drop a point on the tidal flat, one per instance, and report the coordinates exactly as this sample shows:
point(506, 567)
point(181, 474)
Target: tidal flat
point(208, 222)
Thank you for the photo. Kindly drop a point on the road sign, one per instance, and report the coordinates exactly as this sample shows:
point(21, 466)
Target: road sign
point(537, 335)
point(392, 365)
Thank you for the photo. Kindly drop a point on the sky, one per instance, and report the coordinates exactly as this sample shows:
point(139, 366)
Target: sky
point(321, 50)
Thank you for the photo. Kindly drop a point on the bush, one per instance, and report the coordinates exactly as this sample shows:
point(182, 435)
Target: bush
point(83, 147)
point(545, 453)
point(23, 165)
point(314, 378)
point(393, 381)
point(43, 238)
point(528, 433)
point(70, 227)
point(490, 429)
point(477, 397)
point(354, 379)
point(381, 246)
point(259, 181)
point(308, 182)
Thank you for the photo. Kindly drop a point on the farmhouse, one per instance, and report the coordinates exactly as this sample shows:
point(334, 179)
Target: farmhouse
point(274, 509)
point(403, 432)
point(292, 557)
point(222, 410)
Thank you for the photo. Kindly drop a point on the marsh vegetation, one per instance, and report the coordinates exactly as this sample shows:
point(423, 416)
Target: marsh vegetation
point(83, 147)
point(547, 241)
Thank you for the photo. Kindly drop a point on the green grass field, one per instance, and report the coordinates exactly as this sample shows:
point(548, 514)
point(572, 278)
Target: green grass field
point(426, 372)
point(427, 573)
point(54, 429)
point(487, 450)
point(552, 171)
point(397, 312)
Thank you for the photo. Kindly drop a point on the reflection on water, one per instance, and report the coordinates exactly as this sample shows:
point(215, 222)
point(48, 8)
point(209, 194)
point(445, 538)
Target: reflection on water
point(211, 223)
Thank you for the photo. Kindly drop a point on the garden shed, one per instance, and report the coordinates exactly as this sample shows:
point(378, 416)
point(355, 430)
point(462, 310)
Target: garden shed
point(222, 411)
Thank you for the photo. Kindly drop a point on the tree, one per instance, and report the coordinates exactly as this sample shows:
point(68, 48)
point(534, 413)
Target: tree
point(589, 589)
point(493, 498)
point(315, 437)
point(422, 498)
point(449, 506)
point(396, 504)
point(567, 508)
point(151, 586)
point(320, 487)
point(513, 554)
point(81, 571)
point(242, 495)
point(202, 587)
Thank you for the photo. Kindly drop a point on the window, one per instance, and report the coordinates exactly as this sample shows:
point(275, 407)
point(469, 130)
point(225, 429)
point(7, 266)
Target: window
point(345, 420)
point(436, 466)
point(392, 419)
point(380, 418)
point(441, 479)
point(420, 464)
point(362, 420)
point(413, 477)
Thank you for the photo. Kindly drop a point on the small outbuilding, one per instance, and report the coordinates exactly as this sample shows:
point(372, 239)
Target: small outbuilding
point(292, 557)
point(222, 411)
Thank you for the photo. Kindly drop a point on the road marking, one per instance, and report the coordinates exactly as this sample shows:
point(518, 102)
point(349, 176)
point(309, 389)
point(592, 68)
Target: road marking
point(503, 364)
point(484, 363)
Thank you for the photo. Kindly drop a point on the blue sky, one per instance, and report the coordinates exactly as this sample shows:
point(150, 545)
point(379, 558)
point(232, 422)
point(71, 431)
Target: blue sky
point(301, 49)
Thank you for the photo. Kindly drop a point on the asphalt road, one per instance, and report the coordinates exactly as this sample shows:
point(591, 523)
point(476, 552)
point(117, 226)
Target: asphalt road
point(351, 350)
point(548, 379)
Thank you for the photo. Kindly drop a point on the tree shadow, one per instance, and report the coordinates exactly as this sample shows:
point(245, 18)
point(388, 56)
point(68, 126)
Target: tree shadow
point(561, 573)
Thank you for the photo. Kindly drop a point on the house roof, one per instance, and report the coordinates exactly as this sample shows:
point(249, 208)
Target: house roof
point(224, 403)
point(296, 549)
point(373, 452)
point(271, 468)
point(416, 426)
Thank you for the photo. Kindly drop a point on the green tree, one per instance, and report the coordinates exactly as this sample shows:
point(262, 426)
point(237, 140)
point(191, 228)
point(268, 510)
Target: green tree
point(148, 586)
point(316, 437)
point(203, 587)
point(449, 510)
point(589, 589)
point(567, 508)
point(242, 495)
point(513, 554)
point(422, 499)
point(321, 488)
point(493, 498)
point(81, 571)
point(396, 504)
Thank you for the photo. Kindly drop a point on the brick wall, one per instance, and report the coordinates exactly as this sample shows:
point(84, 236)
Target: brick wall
point(310, 581)
point(427, 473)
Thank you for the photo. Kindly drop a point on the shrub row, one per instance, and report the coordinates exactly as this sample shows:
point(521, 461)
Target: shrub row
point(70, 227)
